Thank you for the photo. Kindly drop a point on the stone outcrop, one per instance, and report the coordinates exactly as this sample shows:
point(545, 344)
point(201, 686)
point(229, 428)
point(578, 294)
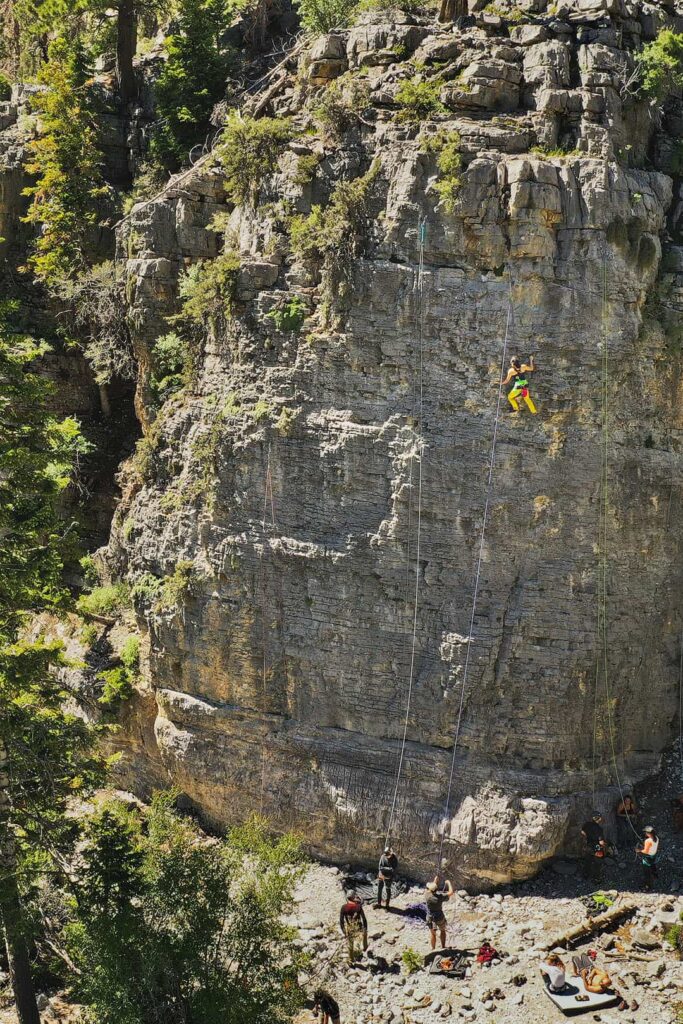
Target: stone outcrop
point(309, 485)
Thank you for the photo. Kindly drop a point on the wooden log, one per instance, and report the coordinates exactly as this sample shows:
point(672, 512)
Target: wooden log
point(593, 924)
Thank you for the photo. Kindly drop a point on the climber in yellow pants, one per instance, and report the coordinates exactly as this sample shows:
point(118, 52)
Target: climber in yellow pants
point(520, 385)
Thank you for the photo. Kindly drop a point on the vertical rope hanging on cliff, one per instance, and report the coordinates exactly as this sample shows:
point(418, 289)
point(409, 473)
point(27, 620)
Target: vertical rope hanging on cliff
point(603, 528)
point(267, 501)
point(422, 228)
point(509, 328)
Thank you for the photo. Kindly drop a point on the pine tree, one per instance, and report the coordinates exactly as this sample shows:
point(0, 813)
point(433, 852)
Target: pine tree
point(66, 160)
point(45, 750)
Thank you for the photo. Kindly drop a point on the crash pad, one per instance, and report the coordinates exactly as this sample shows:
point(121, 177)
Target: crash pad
point(566, 999)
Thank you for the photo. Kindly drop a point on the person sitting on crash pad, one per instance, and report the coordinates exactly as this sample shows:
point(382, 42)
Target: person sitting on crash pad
point(520, 385)
point(553, 972)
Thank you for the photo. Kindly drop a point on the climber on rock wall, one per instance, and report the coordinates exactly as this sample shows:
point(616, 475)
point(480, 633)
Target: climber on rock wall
point(520, 385)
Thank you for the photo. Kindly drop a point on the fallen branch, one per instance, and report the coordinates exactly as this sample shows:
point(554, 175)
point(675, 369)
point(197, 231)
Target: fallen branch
point(593, 924)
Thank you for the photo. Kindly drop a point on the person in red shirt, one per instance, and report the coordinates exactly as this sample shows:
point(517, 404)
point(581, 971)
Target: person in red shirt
point(354, 925)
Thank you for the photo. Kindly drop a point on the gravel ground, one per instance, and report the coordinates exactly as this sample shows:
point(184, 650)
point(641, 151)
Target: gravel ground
point(519, 925)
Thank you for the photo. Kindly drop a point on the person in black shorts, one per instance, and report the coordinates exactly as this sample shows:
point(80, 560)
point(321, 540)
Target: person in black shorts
point(436, 919)
point(596, 846)
point(326, 1006)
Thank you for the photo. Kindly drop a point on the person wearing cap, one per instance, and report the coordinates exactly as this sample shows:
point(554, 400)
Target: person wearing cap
point(436, 918)
point(388, 864)
point(354, 925)
point(648, 856)
point(596, 846)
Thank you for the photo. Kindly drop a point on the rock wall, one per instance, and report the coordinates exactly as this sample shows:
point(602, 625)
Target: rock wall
point(290, 485)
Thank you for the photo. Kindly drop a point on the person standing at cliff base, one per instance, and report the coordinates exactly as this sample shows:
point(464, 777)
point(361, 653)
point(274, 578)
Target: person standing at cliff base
point(596, 846)
point(354, 925)
point(520, 385)
point(436, 918)
point(388, 865)
point(648, 856)
point(627, 817)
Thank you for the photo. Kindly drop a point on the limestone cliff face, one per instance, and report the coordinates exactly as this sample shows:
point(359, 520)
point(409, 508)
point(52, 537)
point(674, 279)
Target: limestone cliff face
point(287, 475)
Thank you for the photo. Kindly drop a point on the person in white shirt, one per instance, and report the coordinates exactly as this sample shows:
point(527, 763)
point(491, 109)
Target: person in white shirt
point(553, 971)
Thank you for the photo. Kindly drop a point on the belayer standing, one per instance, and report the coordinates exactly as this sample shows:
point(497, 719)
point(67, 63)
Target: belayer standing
point(517, 374)
point(388, 865)
point(596, 846)
point(354, 925)
point(436, 919)
point(648, 856)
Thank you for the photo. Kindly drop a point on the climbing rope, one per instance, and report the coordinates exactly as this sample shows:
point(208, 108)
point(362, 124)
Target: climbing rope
point(267, 501)
point(680, 706)
point(603, 527)
point(422, 229)
point(509, 328)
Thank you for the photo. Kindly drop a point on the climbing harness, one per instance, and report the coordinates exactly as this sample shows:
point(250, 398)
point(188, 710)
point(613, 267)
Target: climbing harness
point(602, 655)
point(509, 329)
point(422, 233)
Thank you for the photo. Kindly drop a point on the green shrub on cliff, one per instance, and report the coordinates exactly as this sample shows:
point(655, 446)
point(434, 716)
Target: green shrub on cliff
point(341, 105)
point(333, 235)
point(419, 99)
point(660, 64)
point(169, 928)
point(171, 366)
point(325, 15)
point(445, 146)
point(208, 290)
point(248, 153)
point(107, 600)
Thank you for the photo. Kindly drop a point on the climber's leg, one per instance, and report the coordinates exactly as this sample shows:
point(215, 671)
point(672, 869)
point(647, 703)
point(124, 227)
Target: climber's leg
point(512, 399)
point(528, 400)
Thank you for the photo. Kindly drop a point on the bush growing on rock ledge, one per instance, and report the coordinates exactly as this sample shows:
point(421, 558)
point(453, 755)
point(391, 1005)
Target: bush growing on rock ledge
point(333, 234)
point(207, 290)
point(660, 64)
point(325, 15)
point(445, 146)
point(418, 99)
point(248, 153)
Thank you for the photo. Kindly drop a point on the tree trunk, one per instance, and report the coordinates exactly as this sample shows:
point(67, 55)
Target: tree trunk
point(10, 910)
point(105, 404)
point(452, 9)
point(126, 43)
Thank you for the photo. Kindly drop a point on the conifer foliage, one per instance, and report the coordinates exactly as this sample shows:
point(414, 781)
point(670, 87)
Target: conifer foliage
point(67, 163)
point(45, 750)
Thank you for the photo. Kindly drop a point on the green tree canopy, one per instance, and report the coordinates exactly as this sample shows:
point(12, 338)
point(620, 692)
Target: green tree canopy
point(66, 160)
point(171, 927)
point(45, 749)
